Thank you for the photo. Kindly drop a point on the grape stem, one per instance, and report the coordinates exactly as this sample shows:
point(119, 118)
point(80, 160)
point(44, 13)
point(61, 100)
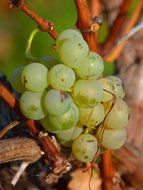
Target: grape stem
point(8, 127)
point(44, 25)
point(86, 25)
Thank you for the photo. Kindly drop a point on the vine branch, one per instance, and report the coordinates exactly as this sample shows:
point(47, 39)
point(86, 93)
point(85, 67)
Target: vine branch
point(85, 24)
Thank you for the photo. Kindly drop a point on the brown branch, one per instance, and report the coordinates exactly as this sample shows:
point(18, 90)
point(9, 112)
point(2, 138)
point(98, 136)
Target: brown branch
point(118, 23)
point(95, 7)
point(7, 128)
point(85, 24)
point(114, 53)
point(58, 161)
point(44, 25)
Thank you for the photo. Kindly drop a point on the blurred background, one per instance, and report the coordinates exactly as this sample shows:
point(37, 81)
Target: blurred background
point(15, 28)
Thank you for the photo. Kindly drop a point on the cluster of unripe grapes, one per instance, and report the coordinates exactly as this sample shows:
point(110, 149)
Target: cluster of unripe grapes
point(73, 100)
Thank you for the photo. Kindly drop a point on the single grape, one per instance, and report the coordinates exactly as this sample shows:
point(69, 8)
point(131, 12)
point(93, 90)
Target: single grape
point(112, 139)
point(118, 86)
point(73, 51)
point(67, 120)
point(15, 80)
point(84, 147)
point(57, 102)
point(108, 89)
point(49, 61)
point(91, 68)
point(70, 134)
point(35, 77)
point(92, 116)
point(118, 116)
point(87, 93)
point(66, 34)
point(48, 126)
point(31, 105)
point(61, 77)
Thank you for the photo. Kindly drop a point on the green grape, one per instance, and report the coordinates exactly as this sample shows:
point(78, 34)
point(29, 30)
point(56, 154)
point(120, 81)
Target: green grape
point(15, 80)
point(91, 68)
point(107, 106)
point(66, 34)
point(48, 126)
point(31, 105)
point(87, 93)
point(49, 61)
point(118, 87)
point(112, 139)
point(73, 52)
point(84, 147)
point(92, 116)
point(57, 102)
point(61, 77)
point(70, 134)
point(35, 77)
point(108, 89)
point(118, 116)
point(67, 120)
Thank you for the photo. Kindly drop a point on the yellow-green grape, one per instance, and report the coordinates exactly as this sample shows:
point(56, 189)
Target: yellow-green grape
point(73, 51)
point(118, 116)
point(31, 105)
point(67, 120)
point(112, 139)
point(66, 34)
point(57, 102)
point(107, 106)
point(85, 147)
point(61, 77)
point(87, 93)
point(15, 80)
point(118, 86)
point(91, 68)
point(48, 126)
point(70, 134)
point(35, 77)
point(108, 89)
point(49, 61)
point(92, 116)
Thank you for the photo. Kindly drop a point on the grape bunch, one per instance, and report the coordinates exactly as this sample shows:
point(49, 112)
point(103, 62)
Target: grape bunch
point(72, 99)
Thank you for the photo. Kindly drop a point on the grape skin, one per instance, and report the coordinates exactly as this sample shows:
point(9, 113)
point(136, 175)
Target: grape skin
point(87, 93)
point(35, 77)
point(73, 51)
point(67, 120)
point(112, 139)
point(118, 116)
point(61, 77)
point(92, 116)
point(57, 102)
point(31, 105)
point(66, 34)
point(15, 80)
point(84, 147)
point(70, 134)
point(91, 68)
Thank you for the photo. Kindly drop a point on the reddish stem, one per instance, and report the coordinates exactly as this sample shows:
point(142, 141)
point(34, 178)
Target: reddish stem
point(84, 23)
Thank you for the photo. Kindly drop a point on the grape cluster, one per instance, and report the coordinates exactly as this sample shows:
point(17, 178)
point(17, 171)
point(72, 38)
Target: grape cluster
point(73, 100)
